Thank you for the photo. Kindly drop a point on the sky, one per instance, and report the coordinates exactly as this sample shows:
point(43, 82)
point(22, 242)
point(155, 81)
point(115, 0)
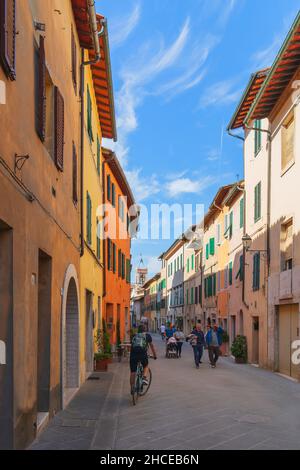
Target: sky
point(179, 69)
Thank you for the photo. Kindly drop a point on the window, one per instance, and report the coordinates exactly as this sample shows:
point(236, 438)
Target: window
point(108, 188)
point(286, 246)
point(109, 254)
point(98, 155)
point(242, 213)
point(257, 202)
point(230, 231)
point(181, 261)
point(226, 226)
point(207, 250)
point(8, 37)
point(74, 60)
point(287, 141)
point(192, 295)
point(212, 246)
point(114, 257)
point(123, 266)
point(257, 136)
point(240, 274)
point(196, 295)
point(89, 115)
point(74, 176)
point(192, 262)
point(121, 208)
point(120, 263)
point(40, 89)
point(58, 129)
point(188, 265)
point(113, 195)
point(218, 235)
point(187, 297)
point(88, 219)
point(256, 271)
point(98, 239)
point(230, 273)
point(200, 294)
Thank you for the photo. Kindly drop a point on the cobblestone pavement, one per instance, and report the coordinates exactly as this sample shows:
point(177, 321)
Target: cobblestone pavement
point(231, 407)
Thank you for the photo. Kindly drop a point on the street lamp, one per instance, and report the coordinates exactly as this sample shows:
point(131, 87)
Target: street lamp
point(247, 241)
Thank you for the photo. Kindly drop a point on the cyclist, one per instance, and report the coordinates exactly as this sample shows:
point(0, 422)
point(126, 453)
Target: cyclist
point(139, 345)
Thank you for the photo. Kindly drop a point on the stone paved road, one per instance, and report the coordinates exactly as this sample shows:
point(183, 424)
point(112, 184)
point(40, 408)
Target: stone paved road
point(230, 407)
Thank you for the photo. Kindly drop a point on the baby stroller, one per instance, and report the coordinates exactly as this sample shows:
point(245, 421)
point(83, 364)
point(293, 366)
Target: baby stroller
point(171, 348)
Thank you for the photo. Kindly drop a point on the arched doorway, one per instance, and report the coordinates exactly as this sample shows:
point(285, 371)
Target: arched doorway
point(70, 337)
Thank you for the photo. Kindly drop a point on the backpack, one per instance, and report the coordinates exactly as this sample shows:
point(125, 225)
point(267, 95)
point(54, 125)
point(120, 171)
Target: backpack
point(139, 341)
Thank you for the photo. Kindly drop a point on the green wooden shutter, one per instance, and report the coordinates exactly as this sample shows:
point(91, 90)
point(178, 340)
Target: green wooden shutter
point(188, 265)
point(98, 240)
point(257, 137)
point(230, 273)
point(88, 219)
point(256, 271)
point(230, 224)
point(257, 202)
point(207, 251)
point(242, 213)
point(89, 115)
point(113, 195)
point(193, 262)
point(98, 155)
point(200, 294)
point(241, 268)
point(212, 246)
point(192, 295)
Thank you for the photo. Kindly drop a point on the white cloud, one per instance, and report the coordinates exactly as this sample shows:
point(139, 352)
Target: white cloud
point(121, 30)
point(142, 187)
point(186, 185)
point(220, 93)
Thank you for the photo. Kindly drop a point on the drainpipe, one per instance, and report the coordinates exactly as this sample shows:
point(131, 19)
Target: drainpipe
point(96, 34)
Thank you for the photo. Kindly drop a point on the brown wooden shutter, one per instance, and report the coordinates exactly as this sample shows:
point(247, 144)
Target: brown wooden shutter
point(74, 60)
point(8, 37)
point(59, 121)
point(42, 91)
point(75, 195)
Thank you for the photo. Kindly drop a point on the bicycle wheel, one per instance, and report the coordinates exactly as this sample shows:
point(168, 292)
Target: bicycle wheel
point(135, 394)
point(145, 388)
point(138, 384)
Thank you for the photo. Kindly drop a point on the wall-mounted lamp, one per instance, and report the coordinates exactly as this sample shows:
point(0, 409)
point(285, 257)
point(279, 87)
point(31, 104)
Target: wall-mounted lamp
point(247, 242)
point(39, 26)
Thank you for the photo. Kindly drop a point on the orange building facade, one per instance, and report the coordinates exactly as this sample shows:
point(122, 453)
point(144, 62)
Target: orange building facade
point(120, 213)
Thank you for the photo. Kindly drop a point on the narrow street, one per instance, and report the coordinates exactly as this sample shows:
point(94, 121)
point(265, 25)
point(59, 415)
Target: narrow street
point(230, 407)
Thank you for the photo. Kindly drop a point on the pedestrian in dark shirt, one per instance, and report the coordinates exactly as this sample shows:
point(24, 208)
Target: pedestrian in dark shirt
point(197, 341)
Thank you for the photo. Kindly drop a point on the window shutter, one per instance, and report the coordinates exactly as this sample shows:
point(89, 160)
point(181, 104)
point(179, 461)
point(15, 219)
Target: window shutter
point(114, 257)
point(257, 137)
point(42, 91)
point(88, 219)
point(59, 119)
point(230, 273)
point(259, 200)
point(74, 60)
point(241, 268)
point(98, 240)
point(230, 224)
point(74, 174)
point(119, 263)
point(98, 156)
point(207, 250)
point(8, 37)
point(242, 213)
point(212, 246)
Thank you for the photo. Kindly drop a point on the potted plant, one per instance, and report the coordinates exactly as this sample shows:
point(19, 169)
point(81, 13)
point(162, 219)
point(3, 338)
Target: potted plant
point(102, 356)
point(224, 346)
point(239, 349)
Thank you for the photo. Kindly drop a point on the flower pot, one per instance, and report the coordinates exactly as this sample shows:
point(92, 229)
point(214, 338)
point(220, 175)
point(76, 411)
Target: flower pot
point(101, 365)
point(240, 360)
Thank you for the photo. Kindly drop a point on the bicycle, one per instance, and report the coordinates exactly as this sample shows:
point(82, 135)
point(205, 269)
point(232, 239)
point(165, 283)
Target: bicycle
point(140, 389)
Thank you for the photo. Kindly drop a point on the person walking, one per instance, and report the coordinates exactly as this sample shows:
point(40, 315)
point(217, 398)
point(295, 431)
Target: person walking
point(214, 340)
point(163, 331)
point(179, 336)
point(197, 341)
